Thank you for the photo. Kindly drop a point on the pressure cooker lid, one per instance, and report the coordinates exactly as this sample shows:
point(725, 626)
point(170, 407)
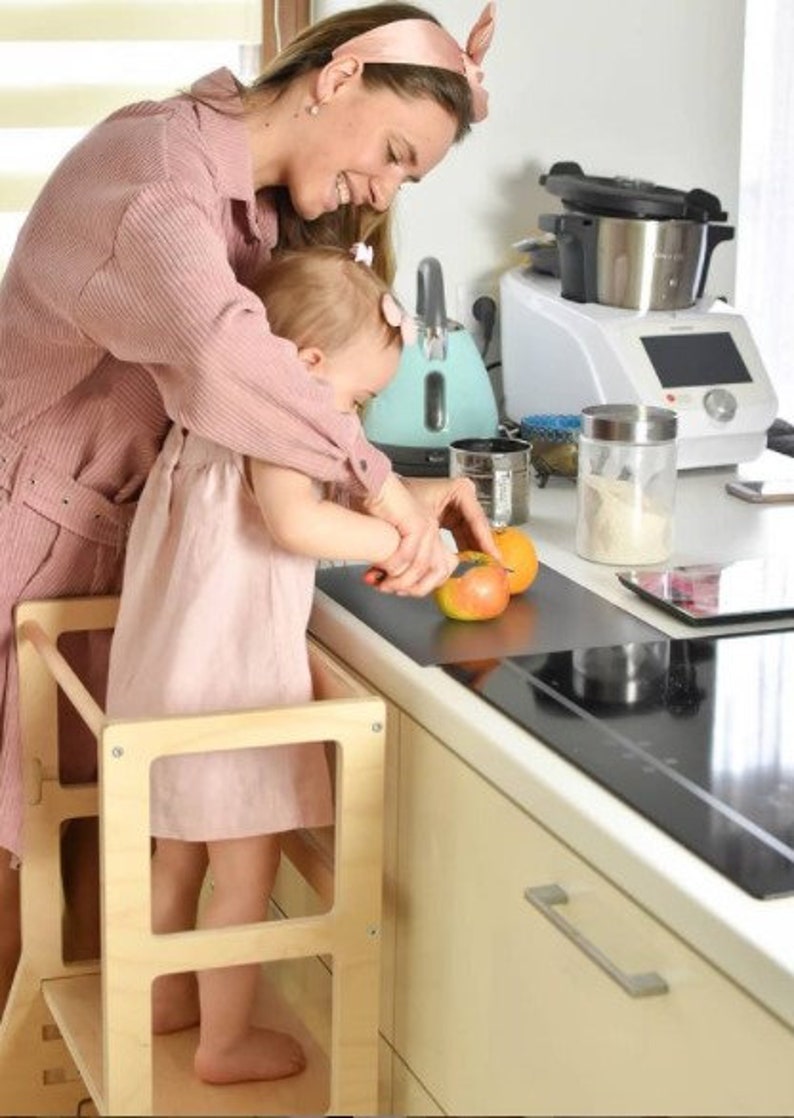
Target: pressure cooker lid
point(626, 197)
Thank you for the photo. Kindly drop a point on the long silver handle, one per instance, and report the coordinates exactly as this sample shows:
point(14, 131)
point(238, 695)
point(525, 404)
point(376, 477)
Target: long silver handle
point(545, 898)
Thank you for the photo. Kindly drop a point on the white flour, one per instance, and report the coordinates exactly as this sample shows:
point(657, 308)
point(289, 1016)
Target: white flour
point(618, 524)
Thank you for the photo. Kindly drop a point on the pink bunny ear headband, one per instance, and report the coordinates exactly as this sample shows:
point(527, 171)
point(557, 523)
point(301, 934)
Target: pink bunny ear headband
point(421, 42)
point(394, 314)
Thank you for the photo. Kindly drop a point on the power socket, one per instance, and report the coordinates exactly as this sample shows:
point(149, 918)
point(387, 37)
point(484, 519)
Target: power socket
point(476, 311)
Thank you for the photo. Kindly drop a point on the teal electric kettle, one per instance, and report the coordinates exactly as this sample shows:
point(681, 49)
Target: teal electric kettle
point(441, 391)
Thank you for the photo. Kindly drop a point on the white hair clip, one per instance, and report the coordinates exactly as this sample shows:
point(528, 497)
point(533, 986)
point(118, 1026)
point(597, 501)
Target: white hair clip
point(396, 316)
point(362, 253)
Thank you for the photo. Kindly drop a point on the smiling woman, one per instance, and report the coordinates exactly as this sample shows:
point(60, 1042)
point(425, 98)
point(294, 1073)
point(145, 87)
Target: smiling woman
point(127, 305)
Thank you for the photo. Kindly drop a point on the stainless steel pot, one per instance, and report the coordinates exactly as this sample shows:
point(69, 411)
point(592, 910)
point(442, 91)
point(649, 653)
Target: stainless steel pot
point(629, 243)
point(636, 263)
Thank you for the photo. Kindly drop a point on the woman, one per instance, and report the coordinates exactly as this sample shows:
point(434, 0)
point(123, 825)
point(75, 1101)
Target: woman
point(126, 305)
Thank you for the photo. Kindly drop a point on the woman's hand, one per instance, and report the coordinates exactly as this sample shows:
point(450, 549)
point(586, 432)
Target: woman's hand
point(419, 508)
point(453, 503)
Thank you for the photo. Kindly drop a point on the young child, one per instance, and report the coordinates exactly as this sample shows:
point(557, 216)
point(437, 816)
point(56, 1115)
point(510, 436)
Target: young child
point(217, 591)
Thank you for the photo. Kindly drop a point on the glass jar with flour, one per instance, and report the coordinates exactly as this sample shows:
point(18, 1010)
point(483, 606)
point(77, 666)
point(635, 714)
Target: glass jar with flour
point(626, 484)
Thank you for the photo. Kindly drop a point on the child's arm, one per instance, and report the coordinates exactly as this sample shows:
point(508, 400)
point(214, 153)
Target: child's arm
point(301, 520)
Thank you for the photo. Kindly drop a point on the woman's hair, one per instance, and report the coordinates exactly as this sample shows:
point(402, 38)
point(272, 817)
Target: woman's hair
point(322, 297)
point(310, 50)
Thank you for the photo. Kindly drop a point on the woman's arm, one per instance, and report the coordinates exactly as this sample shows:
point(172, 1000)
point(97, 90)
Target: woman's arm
point(167, 299)
point(301, 520)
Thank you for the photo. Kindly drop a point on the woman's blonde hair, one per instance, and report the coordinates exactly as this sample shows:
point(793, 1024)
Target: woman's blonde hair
point(322, 297)
point(310, 50)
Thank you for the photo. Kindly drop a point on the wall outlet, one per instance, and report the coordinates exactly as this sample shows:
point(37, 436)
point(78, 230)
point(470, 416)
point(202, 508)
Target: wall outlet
point(476, 310)
point(466, 294)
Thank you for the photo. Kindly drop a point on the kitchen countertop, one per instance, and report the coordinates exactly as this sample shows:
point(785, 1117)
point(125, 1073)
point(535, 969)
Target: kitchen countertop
point(750, 940)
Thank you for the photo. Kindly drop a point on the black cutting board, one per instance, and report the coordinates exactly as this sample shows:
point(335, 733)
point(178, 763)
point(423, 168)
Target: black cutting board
point(554, 614)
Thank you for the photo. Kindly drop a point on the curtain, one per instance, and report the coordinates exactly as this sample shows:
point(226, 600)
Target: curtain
point(65, 64)
point(765, 243)
point(281, 21)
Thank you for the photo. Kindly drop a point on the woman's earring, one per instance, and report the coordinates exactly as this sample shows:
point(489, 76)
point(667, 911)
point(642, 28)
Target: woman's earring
point(313, 110)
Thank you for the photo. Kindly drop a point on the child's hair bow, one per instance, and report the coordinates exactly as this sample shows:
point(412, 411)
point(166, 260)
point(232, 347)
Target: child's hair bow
point(396, 316)
point(362, 253)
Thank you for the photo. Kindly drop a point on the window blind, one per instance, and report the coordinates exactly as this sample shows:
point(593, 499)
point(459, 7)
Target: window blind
point(66, 64)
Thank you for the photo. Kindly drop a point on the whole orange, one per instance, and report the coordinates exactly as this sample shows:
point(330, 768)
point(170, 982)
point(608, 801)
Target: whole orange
point(519, 557)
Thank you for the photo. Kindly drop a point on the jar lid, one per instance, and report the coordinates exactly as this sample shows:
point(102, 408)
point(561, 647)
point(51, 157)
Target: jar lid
point(629, 423)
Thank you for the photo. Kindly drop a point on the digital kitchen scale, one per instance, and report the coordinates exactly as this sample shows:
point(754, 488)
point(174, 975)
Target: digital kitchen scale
point(697, 735)
point(559, 356)
point(719, 593)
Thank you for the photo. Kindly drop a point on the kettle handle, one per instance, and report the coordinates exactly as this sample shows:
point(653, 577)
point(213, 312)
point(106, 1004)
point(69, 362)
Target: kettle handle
point(430, 303)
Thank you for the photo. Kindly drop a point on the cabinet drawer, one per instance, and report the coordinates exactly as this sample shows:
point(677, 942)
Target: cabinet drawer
point(498, 1012)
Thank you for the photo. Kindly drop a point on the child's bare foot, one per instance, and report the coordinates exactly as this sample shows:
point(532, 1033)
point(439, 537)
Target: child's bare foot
point(175, 1003)
point(262, 1054)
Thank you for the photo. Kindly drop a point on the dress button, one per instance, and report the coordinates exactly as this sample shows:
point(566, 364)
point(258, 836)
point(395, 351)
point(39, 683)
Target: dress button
point(363, 464)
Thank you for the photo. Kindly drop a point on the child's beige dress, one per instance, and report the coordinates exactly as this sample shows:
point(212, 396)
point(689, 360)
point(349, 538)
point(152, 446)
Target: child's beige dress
point(213, 617)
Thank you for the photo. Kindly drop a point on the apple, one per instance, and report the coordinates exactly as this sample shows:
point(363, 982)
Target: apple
point(477, 590)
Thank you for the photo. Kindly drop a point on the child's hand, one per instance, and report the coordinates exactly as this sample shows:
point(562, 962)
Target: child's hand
point(421, 562)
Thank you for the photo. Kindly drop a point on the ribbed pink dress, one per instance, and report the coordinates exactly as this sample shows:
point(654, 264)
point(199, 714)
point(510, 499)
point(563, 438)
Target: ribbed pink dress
point(125, 305)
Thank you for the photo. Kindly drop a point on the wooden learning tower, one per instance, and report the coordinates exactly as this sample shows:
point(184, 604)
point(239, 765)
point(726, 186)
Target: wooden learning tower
point(76, 1037)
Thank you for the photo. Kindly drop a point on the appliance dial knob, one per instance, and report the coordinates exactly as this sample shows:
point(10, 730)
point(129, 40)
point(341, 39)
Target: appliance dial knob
point(720, 404)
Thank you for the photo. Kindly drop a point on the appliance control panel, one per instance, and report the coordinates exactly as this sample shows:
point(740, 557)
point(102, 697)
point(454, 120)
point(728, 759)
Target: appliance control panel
point(560, 356)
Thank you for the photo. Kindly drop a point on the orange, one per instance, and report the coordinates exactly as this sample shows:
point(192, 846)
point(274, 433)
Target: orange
point(519, 557)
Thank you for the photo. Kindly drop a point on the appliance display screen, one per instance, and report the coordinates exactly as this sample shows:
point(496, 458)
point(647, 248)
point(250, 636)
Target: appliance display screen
point(692, 360)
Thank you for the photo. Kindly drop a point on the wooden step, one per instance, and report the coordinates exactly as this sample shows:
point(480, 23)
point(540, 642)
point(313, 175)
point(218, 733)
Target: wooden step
point(75, 1004)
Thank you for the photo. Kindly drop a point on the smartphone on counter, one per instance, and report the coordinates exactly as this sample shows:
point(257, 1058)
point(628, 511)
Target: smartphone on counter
point(774, 491)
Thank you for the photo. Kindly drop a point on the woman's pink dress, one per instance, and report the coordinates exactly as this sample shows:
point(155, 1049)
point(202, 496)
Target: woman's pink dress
point(125, 305)
point(213, 617)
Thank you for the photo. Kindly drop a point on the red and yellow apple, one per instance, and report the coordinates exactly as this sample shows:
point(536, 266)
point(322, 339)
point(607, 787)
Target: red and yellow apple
point(477, 590)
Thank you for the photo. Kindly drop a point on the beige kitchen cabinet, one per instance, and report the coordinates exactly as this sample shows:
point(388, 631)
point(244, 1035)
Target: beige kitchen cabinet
point(405, 1095)
point(498, 1011)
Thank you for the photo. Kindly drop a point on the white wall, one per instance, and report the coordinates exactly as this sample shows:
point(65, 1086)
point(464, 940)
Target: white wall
point(646, 88)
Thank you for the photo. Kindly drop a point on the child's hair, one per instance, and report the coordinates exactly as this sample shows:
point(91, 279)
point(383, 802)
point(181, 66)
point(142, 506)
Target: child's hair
point(320, 296)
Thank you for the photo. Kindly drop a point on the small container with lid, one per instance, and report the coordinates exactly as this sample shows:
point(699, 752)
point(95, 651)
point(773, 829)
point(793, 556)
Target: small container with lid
point(626, 484)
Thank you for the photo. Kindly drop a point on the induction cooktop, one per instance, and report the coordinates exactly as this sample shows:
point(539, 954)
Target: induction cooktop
point(697, 735)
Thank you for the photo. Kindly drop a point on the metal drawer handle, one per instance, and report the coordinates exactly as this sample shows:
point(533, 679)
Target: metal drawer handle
point(545, 897)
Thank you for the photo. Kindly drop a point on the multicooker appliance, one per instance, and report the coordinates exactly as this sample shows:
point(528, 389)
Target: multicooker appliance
point(626, 320)
point(560, 356)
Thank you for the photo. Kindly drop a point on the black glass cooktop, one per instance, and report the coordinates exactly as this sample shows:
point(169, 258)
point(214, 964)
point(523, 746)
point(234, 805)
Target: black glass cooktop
point(697, 735)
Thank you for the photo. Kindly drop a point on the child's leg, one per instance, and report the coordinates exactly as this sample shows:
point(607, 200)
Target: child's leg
point(231, 1049)
point(10, 935)
point(178, 870)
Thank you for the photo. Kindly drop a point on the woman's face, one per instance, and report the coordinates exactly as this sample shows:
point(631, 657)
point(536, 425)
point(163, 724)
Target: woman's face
point(361, 147)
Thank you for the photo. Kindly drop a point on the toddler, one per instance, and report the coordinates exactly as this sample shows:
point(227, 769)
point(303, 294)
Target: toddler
point(217, 590)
